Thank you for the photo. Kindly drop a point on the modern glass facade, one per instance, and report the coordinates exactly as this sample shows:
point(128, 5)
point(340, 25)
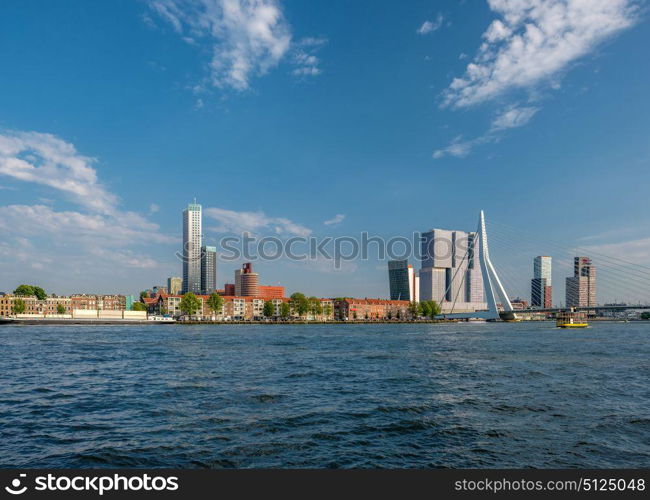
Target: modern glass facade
point(208, 270)
point(398, 279)
point(541, 285)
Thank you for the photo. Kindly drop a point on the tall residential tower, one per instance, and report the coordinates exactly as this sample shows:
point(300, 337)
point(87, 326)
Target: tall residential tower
point(541, 290)
point(581, 287)
point(192, 249)
point(208, 270)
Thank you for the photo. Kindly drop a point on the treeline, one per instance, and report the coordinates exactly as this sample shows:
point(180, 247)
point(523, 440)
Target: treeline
point(190, 304)
point(299, 304)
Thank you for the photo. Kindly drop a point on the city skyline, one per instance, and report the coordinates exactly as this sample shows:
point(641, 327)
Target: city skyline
point(73, 151)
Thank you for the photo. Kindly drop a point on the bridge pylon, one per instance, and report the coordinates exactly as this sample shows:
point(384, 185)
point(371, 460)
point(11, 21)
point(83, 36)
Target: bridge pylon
point(492, 286)
point(491, 283)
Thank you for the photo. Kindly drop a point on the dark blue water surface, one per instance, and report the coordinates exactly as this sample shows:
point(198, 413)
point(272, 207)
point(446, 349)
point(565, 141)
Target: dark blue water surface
point(448, 395)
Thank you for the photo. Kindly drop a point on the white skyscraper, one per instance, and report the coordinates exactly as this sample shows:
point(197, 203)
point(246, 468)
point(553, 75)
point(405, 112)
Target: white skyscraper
point(192, 249)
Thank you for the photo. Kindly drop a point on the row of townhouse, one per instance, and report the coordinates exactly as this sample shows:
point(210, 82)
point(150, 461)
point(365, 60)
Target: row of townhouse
point(252, 308)
point(347, 309)
point(47, 306)
point(51, 305)
point(234, 308)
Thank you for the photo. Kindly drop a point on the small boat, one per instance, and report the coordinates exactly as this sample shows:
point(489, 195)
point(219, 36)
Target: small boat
point(571, 319)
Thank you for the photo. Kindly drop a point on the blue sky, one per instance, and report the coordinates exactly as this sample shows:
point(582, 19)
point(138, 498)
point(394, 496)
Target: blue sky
point(279, 116)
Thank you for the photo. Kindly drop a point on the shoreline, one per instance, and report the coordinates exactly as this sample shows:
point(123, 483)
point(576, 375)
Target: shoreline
point(95, 322)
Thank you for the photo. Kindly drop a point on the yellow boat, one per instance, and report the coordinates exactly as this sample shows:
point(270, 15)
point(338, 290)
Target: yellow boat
point(571, 319)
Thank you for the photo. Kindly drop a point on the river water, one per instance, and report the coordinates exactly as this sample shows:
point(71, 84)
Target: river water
point(432, 395)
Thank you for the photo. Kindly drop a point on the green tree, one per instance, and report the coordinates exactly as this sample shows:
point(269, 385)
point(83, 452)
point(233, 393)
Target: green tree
point(300, 303)
point(29, 291)
point(645, 315)
point(143, 295)
point(19, 306)
point(190, 304)
point(24, 291)
point(414, 309)
point(435, 309)
point(269, 309)
point(425, 308)
point(285, 310)
point(138, 306)
point(60, 309)
point(215, 303)
point(431, 308)
point(327, 311)
point(315, 306)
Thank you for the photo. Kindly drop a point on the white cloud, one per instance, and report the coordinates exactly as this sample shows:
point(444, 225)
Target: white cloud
point(510, 117)
point(458, 147)
point(254, 222)
point(533, 41)
point(513, 117)
point(71, 246)
point(337, 219)
point(247, 37)
point(100, 239)
point(304, 56)
point(431, 26)
point(632, 251)
point(46, 159)
point(72, 227)
point(153, 208)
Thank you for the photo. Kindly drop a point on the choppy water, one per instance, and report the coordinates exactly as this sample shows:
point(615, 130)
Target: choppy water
point(469, 395)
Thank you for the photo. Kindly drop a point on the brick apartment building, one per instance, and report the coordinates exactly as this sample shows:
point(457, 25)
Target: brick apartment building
point(370, 309)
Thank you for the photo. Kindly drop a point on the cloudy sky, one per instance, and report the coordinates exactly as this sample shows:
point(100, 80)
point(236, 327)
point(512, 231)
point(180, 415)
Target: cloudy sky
point(296, 118)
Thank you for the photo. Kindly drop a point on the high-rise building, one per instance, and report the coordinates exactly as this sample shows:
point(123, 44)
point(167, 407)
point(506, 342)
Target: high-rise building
point(414, 286)
point(581, 287)
point(398, 280)
point(247, 283)
point(174, 285)
point(450, 272)
point(541, 289)
point(208, 270)
point(192, 249)
point(238, 273)
point(403, 281)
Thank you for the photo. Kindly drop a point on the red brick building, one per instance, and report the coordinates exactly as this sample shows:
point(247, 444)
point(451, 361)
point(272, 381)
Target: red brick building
point(370, 309)
point(271, 292)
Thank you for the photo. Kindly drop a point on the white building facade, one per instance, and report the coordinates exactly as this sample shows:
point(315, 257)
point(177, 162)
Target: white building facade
point(192, 248)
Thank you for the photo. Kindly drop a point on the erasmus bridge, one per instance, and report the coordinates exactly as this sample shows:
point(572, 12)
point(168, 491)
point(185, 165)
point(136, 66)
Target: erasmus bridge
point(619, 278)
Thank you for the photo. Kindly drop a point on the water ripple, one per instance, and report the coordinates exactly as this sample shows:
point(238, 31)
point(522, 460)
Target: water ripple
point(220, 396)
